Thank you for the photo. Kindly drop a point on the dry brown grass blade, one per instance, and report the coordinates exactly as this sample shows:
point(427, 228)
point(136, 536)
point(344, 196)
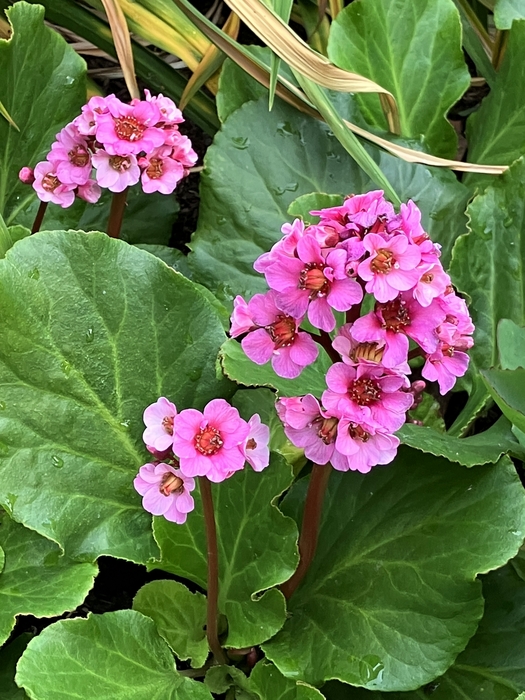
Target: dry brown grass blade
point(211, 62)
point(122, 41)
point(293, 50)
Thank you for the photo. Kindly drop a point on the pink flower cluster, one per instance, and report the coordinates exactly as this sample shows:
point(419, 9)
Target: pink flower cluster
point(215, 443)
point(114, 145)
point(362, 247)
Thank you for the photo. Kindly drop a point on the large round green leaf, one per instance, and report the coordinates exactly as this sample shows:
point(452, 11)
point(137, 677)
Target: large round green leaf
point(391, 597)
point(93, 330)
point(119, 655)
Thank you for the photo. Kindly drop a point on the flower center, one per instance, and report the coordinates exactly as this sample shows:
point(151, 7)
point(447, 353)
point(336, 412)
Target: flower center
point(367, 351)
point(379, 226)
point(383, 262)
point(312, 277)
point(129, 128)
point(155, 169)
point(79, 156)
point(120, 163)
point(365, 391)
point(282, 331)
point(427, 278)
point(395, 315)
point(251, 444)
point(50, 182)
point(208, 441)
point(171, 483)
point(447, 350)
point(167, 424)
point(328, 430)
point(357, 432)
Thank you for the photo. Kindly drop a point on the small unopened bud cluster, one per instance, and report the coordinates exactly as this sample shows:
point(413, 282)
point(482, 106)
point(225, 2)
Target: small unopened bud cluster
point(113, 145)
point(215, 443)
point(362, 246)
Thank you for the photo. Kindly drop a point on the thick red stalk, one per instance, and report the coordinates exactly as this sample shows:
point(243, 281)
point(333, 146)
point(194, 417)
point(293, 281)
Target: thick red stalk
point(39, 217)
point(116, 213)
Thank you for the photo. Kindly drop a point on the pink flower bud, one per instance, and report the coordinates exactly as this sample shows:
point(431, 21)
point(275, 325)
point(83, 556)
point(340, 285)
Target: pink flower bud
point(27, 176)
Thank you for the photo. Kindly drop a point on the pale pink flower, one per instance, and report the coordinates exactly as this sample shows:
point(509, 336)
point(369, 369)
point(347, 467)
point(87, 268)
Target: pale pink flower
point(367, 394)
point(353, 351)
point(129, 129)
point(210, 443)
point(169, 112)
point(311, 283)
point(160, 173)
point(390, 267)
point(27, 176)
point(444, 366)
point(241, 318)
point(285, 247)
point(158, 419)
point(364, 445)
point(432, 283)
point(89, 192)
point(256, 450)
point(182, 150)
point(49, 188)
point(86, 122)
point(71, 157)
point(358, 215)
point(115, 173)
point(166, 491)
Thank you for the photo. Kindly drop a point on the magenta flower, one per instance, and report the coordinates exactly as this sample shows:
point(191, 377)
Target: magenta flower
point(158, 419)
point(182, 148)
point(255, 449)
point(160, 172)
point(129, 129)
point(89, 192)
point(210, 443)
point(165, 491)
point(49, 187)
point(86, 122)
point(358, 215)
point(309, 282)
point(364, 445)
point(115, 172)
point(241, 319)
point(354, 352)
point(444, 366)
point(27, 176)
point(390, 267)
point(275, 336)
point(71, 157)
point(432, 284)
point(285, 247)
point(366, 394)
point(169, 112)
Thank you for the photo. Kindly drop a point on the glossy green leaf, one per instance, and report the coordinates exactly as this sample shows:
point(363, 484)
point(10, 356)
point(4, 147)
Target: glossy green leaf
point(77, 370)
point(35, 579)
point(472, 42)
point(249, 563)
point(414, 51)
point(303, 205)
point(43, 87)
point(180, 616)
point(390, 598)
point(238, 367)
point(492, 667)
point(506, 11)
point(270, 684)
point(261, 162)
point(9, 236)
point(511, 344)
point(119, 655)
point(508, 391)
point(428, 412)
point(482, 448)
point(219, 679)
point(9, 656)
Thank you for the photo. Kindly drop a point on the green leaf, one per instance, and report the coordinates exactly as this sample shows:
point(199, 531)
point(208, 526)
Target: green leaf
point(77, 370)
point(428, 412)
point(491, 667)
point(506, 11)
point(261, 162)
point(171, 256)
point(508, 391)
point(36, 580)
point(43, 87)
point(118, 655)
point(180, 617)
point(238, 367)
point(219, 679)
point(414, 51)
point(472, 42)
point(496, 131)
point(9, 236)
point(303, 205)
point(248, 562)
point(511, 344)
point(482, 448)
point(270, 684)
point(390, 598)
point(9, 656)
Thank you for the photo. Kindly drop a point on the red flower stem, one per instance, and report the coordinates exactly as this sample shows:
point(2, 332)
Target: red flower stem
point(416, 352)
point(326, 342)
point(353, 313)
point(39, 217)
point(213, 572)
point(310, 526)
point(116, 213)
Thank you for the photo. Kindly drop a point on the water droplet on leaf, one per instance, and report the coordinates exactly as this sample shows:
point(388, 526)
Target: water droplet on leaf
point(4, 449)
point(125, 424)
point(65, 367)
point(10, 501)
point(57, 461)
point(241, 142)
point(34, 274)
point(370, 667)
point(2, 405)
point(69, 80)
point(90, 334)
point(221, 220)
point(195, 374)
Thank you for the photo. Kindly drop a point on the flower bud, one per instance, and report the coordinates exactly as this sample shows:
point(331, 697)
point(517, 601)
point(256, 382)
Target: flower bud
point(26, 175)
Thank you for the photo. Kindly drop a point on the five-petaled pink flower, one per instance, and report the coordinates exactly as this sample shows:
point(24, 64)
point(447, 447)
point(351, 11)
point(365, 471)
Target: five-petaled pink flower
point(50, 188)
point(166, 491)
point(129, 129)
point(158, 419)
point(391, 267)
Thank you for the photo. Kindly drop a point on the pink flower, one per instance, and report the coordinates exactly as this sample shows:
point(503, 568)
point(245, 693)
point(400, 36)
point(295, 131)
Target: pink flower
point(169, 112)
point(129, 129)
point(71, 157)
point(90, 192)
point(115, 172)
point(366, 394)
point(165, 491)
point(354, 352)
point(358, 215)
point(158, 419)
point(210, 443)
point(49, 188)
point(390, 267)
point(256, 450)
point(275, 336)
point(364, 445)
point(309, 282)
point(432, 283)
point(241, 318)
point(444, 366)
point(160, 172)
point(27, 176)
point(86, 122)
point(182, 148)
point(285, 247)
